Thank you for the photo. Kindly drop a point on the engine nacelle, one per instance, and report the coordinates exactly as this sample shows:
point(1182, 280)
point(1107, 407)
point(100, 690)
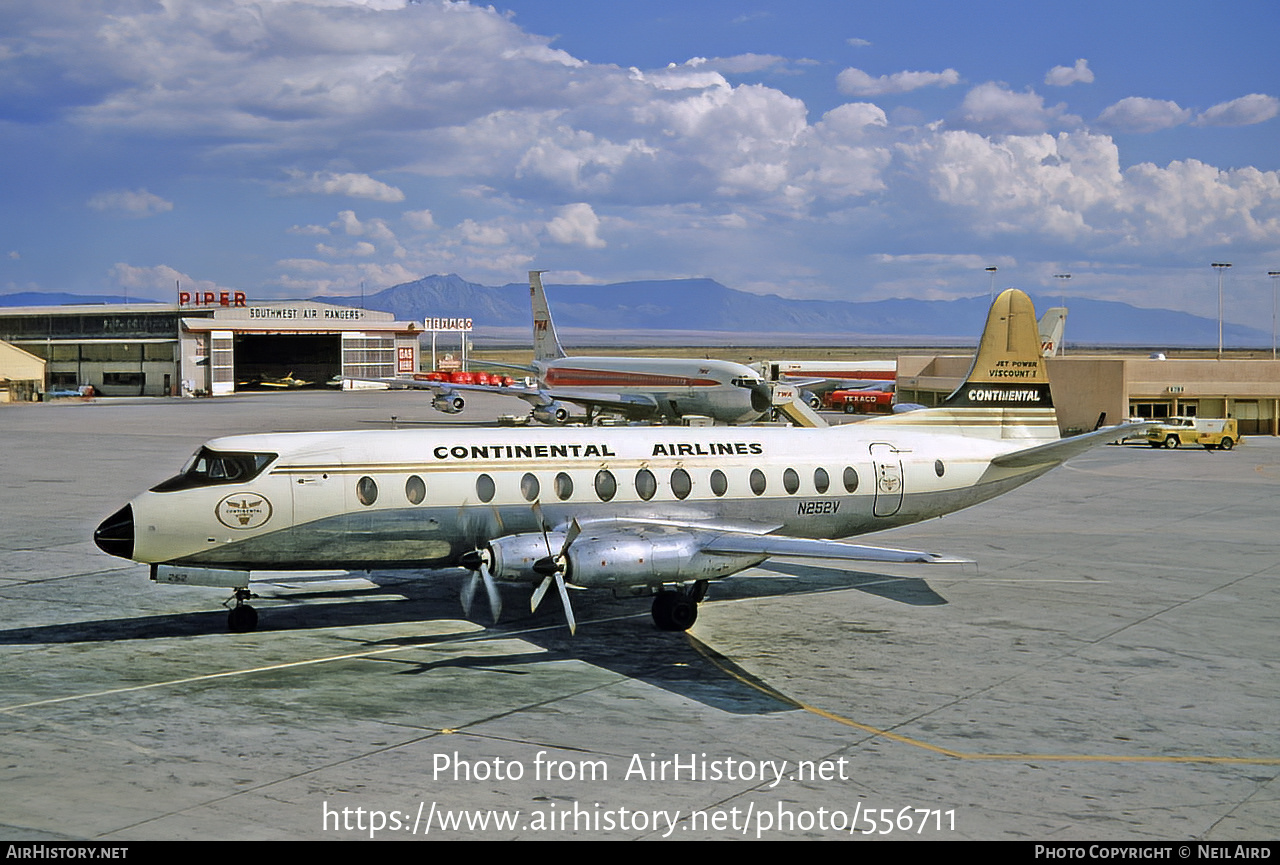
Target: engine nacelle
point(552, 413)
point(512, 557)
point(449, 403)
point(624, 560)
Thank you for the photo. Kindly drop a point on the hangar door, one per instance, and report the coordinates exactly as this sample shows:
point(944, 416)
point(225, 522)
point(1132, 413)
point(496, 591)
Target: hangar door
point(369, 355)
point(271, 361)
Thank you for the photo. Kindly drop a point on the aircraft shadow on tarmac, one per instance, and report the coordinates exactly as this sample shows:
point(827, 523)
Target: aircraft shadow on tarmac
point(613, 634)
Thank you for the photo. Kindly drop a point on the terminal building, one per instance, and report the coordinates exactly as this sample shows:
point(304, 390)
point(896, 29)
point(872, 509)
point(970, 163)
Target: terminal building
point(1089, 391)
point(215, 345)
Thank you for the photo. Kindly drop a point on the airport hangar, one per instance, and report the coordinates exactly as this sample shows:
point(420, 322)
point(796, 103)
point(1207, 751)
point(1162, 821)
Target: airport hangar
point(1089, 391)
point(208, 346)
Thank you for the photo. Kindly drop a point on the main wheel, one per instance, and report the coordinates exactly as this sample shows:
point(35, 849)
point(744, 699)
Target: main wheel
point(242, 619)
point(1171, 442)
point(674, 611)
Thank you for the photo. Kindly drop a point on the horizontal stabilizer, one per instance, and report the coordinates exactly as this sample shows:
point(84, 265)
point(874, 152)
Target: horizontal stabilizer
point(1063, 449)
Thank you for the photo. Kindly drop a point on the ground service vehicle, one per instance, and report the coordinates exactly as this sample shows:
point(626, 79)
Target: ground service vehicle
point(1209, 433)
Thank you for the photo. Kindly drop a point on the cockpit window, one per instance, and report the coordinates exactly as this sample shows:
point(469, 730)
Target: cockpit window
point(209, 468)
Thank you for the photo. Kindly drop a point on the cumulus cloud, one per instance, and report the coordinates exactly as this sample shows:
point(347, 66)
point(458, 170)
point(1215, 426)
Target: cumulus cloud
point(159, 281)
point(576, 225)
point(349, 184)
point(1062, 76)
point(857, 43)
point(855, 82)
point(1139, 114)
point(419, 220)
point(131, 202)
point(993, 108)
point(1245, 111)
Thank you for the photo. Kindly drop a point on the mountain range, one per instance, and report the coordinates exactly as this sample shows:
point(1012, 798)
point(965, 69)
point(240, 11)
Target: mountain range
point(702, 311)
point(708, 308)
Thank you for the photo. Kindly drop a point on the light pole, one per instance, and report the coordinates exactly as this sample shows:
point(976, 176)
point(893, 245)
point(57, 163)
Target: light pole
point(1220, 266)
point(992, 294)
point(1273, 274)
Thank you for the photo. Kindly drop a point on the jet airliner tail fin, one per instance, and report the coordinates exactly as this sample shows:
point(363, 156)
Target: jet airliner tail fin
point(546, 345)
point(1052, 323)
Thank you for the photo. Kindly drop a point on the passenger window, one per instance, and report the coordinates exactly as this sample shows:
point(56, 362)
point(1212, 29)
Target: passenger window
point(415, 490)
point(606, 485)
point(681, 483)
point(646, 484)
point(821, 482)
point(564, 486)
point(790, 481)
point(366, 491)
point(850, 479)
point(485, 488)
point(757, 482)
point(938, 468)
point(719, 484)
point(529, 486)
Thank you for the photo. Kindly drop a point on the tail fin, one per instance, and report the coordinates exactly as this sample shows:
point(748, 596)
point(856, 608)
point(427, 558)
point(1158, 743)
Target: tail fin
point(1051, 326)
point(546, 345)
point(1006, 393)
point(1008, 370)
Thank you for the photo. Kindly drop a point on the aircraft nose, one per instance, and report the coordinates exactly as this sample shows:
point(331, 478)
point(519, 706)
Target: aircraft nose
point(115, 534)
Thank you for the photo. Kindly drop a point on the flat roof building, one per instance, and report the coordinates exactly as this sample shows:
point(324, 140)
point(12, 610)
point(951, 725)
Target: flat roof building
point(153, 349)
point(1092, 390)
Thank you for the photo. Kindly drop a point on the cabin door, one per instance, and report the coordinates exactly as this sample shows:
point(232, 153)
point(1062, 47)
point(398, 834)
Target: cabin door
point(887, 464)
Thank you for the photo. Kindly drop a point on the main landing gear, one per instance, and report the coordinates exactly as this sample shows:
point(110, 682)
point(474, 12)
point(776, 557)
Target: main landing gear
point(243, 618)
point(678, 610)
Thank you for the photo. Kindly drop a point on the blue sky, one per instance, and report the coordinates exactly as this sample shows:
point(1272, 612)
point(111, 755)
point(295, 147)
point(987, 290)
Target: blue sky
point(834, 150)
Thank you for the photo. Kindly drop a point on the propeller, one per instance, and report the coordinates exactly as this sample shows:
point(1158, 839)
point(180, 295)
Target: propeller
point(477, 561)
point(553, 567)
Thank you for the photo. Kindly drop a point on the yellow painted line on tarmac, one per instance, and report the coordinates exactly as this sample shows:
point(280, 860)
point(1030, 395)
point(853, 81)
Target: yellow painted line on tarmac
point(715, 659)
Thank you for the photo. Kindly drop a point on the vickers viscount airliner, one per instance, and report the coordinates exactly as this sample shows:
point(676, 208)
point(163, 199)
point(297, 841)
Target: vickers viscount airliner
point(634, 510)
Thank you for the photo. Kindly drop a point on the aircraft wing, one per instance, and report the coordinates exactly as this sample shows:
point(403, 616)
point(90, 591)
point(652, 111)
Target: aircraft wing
point(754, 538)
point(782, 545)
point(443, 387)
point(1062, 450)
point(630, 402)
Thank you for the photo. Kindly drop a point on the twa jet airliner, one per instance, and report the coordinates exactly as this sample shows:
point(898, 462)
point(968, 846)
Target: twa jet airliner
point(635, 510)
point(637, 387)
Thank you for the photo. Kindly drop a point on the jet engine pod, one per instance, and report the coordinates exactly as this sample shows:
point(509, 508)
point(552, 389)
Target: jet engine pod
point(449, 403)
point(512, 557)
point(551, 413)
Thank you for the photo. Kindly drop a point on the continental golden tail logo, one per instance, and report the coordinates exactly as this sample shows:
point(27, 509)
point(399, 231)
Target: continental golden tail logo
point(1009, 369)
point(243, 511)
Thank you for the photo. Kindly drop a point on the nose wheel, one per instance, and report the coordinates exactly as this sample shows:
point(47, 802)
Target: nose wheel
point(242, 618)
